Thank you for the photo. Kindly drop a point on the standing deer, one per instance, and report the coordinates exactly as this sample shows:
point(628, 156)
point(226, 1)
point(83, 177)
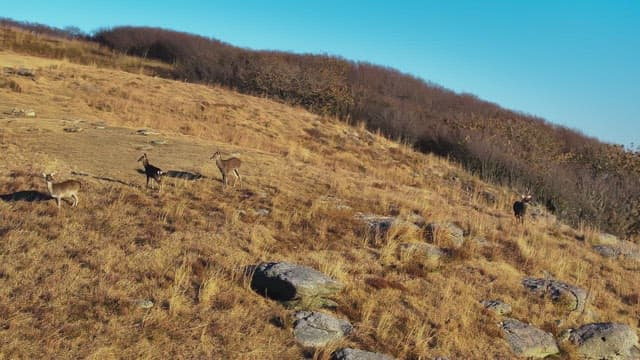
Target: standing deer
point(151, 171)
point(65, 189)
point(520, 207)
point(227, 166)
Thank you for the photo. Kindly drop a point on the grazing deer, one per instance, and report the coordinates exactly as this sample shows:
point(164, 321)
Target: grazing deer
point(65, 189)
point(151, 171)
point(520, 207)
point(227, 166)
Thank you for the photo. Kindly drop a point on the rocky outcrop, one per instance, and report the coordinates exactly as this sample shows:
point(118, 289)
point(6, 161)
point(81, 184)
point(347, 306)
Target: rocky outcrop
point(355, 354)
point(528, 341)
point(316, 329)
point(294, 284)
point(572, 297)
point(604, 341)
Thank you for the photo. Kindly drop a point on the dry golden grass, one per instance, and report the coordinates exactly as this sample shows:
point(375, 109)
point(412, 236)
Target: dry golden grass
point(71, 280)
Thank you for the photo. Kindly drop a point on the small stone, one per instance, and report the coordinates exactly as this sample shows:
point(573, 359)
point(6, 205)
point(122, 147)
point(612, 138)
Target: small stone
point(355, 354)
point(497, 306)
point(144, 304)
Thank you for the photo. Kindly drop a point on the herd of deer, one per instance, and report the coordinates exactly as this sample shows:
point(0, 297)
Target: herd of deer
point(69, 189)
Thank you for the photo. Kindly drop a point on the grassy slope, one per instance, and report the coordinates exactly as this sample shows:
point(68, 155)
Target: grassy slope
point(69, 279)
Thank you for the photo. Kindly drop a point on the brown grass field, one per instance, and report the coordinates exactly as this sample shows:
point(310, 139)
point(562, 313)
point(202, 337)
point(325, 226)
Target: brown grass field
point(71, 279)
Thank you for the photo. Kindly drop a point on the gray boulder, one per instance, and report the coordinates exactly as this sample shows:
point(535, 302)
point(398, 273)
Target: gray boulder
point(573, 297)
point(605, 341)
point(377, 226)
point(294, 284)
point(528, 341)
point(316, 329)
point(627, 252)
point(355, 354)
point(498, 307)
point(445, 234)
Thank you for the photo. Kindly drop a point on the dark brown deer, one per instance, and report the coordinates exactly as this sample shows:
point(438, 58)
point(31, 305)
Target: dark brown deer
point(151, 171)
point(520, 207)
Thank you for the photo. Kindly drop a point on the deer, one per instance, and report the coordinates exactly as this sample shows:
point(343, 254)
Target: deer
point(227, 166)
point(151, 171)
point(520, 207)
point(61, 190)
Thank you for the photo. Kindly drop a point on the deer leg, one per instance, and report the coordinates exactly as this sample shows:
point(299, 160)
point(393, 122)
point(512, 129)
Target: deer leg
point(238, 176)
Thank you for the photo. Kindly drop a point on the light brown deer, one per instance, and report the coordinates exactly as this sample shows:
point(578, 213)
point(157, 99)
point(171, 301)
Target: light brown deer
point(227, 166)
point(61, 190)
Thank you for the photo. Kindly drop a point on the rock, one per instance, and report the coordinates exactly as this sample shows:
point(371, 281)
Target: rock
point(316, 329)
point(26, 72)
point(72, 129)
point(624, 251)
point(423, 251)
point(378, 226)
point(146, 132)
point(262, 212)
point(294, 284)
point(607, 251)
point(572, 296)
point(605, 341)
point(528, 341)
point(144, 303)
point(497, 306)
point(445, 234)
point(355, 354)
point(158, 142)
point(17, 112)
point(606, 239)
point(488, 197)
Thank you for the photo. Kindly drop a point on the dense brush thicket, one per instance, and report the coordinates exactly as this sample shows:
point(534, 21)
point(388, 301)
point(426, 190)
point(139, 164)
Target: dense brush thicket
point(583, 179)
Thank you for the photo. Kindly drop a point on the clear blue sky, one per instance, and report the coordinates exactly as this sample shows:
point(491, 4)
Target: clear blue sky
point(575, 63)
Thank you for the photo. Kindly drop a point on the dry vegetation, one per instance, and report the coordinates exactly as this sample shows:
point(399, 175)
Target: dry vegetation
point(71, 281)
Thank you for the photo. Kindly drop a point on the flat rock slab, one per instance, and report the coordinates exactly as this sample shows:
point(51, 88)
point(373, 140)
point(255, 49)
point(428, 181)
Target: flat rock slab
point(445, 234)
point(294, 284)
point(316, 329)
point(573, 297)
point(528, 341)
point(355, 354)
point(605, 341)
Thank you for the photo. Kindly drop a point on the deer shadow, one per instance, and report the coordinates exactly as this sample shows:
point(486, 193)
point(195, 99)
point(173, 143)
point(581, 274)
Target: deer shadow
point(178, 174)
point(26, 195)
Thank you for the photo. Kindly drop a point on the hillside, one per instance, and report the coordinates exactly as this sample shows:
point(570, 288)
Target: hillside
point(72, 280)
